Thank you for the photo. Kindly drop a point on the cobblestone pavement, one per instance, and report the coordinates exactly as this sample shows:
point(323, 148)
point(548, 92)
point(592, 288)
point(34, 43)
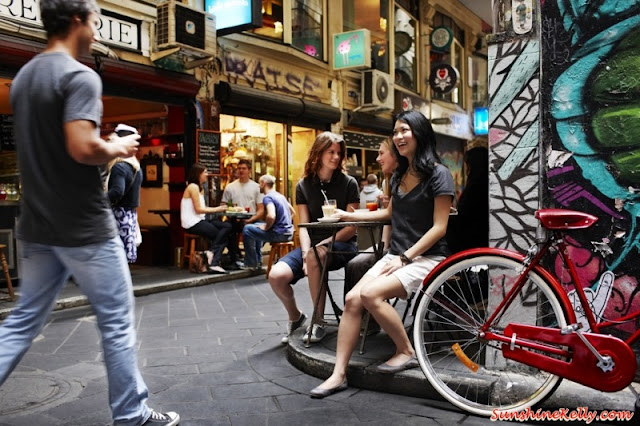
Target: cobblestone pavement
point(210, 352)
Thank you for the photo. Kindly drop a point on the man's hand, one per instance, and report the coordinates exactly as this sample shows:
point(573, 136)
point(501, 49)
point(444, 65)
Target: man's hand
point(127, 145)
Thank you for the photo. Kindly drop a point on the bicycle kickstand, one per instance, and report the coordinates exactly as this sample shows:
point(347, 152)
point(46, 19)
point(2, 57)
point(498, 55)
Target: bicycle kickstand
point(605, 363)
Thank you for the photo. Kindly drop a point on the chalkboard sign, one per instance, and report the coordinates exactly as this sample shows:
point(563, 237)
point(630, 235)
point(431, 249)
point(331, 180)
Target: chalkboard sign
point(363, 140)
point(209, 150)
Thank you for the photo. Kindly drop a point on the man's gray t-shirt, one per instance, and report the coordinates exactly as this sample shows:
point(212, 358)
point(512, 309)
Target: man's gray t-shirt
point(63, 201)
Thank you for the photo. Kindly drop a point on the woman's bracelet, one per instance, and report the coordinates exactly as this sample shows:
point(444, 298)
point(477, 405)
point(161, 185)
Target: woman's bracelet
point(404, 259)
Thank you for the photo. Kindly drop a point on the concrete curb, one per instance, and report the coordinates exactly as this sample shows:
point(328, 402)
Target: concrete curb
point(319, 360)
point(146, 289)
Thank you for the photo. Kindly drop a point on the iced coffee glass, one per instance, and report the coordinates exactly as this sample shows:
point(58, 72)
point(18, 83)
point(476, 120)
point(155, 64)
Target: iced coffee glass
point(329, 208)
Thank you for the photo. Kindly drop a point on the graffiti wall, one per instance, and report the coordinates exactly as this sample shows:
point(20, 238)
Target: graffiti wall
point(590, 53)
point(514, 91)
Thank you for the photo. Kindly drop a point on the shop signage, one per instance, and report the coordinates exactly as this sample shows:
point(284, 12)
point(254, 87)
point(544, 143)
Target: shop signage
point(234, 16)
point(352, 50)
point(441, 38)
point(443, 78)
point(115, 29)
point(450, 121)
point(259, 72)
point(208, 150)
point(363, 140)
point(481, 120)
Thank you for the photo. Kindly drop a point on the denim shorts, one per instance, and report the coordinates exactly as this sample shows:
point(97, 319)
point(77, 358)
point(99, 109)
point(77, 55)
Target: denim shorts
point(347, 251)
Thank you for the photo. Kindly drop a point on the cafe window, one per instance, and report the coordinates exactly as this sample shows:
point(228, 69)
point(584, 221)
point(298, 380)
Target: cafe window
point(296, 22)
point(374, 16)
point(454, 55)
point(406, 60)
point(307, 27)
point(272, 20)
point(258, 141)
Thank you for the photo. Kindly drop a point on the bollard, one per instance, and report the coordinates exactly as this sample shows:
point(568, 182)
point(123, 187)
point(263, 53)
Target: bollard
point(178, 257)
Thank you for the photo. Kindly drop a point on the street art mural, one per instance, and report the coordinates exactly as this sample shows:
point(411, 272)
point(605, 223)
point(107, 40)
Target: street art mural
point(590, 53)
point(514, 80)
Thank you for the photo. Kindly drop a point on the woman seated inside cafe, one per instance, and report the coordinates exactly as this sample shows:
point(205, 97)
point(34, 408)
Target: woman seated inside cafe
point(192, 216)
point(421, 193)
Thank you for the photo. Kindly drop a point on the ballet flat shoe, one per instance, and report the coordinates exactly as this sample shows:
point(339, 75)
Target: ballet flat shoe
point(322, 393)
point(389, 369)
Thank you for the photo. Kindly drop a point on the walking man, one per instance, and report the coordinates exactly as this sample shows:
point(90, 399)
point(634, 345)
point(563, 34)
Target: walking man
point(277, 227)
point(69, 228)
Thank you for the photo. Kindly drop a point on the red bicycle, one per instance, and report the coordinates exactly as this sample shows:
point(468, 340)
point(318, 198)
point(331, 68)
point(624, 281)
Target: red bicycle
point(495, 330)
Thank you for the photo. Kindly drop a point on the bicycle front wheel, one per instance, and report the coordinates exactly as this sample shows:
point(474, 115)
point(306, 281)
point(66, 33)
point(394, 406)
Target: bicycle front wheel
point(454, 306)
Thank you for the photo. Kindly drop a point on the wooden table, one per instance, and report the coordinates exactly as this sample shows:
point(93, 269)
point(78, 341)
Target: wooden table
point(162, 212)
point(375, 231)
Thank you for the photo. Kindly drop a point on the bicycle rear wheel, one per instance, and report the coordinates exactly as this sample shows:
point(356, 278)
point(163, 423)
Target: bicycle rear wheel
point(455, 305)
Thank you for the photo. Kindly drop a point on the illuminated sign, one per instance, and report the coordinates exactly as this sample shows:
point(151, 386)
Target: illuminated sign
point(352, 50)
point(234, 16)
point(481, 121)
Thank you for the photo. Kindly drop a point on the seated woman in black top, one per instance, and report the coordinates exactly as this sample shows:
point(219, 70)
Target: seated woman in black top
point(422, 191)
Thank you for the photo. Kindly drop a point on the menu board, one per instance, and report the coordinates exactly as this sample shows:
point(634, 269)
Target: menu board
point(208, 150)
point(7, 142)
point(363, 140)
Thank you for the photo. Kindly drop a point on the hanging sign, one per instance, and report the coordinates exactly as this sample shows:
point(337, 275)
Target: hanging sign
point(443, 78)
point(352, 50)
point(441, 38)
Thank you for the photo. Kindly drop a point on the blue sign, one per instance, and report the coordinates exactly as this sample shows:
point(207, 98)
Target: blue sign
point(481, 121)
point(234, 16)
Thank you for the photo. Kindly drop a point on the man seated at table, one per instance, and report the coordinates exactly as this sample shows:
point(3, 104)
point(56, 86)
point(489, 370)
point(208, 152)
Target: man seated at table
point(242, 192)
point(278, 226)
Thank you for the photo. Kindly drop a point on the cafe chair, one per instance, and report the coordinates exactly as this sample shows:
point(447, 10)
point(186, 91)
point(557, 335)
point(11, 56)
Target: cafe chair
point(279, 250)
point(7, 276)
point(192, 243)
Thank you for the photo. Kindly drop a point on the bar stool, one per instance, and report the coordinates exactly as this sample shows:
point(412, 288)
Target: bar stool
point(192, 242)
point(279, 249)
point(5, 268)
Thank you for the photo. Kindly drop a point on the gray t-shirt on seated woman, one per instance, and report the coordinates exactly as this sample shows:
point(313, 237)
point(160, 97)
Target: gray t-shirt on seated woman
point(63, 201)
point(412, 214)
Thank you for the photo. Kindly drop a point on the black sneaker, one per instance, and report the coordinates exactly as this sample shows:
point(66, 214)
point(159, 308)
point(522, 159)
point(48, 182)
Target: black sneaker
point(162, 419)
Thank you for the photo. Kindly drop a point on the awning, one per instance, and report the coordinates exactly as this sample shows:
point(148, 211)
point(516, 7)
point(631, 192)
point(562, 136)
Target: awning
point(264, 105)
point(370, 122)
point(120, 78)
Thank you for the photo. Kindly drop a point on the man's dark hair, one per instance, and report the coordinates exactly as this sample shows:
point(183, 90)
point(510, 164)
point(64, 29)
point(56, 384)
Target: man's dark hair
point(245, 162)
point(56, 15)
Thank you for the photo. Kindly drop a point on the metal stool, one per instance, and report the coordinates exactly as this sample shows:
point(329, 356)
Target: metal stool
point(5, 268)
point(279, 249)
point(191, 243)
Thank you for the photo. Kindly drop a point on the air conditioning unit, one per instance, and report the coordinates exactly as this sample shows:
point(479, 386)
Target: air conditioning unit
point(190, 30)
point(377, 90)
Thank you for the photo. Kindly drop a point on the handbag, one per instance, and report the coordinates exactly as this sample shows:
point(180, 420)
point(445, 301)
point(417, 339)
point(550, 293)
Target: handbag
point(138, 239)
point(199, 262)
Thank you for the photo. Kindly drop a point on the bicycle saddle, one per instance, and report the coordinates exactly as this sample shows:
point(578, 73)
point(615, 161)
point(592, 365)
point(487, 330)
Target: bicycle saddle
point(565, 219)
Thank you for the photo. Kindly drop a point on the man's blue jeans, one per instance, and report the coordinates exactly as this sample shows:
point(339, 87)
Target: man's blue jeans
point(102, 272)
point(253, 237)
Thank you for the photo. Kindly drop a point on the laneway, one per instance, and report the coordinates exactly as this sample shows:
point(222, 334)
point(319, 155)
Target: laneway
point(212, 353)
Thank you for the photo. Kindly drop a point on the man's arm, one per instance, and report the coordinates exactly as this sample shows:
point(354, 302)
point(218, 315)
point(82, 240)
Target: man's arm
point(85, 147)
point(270, 217)
point(259, 214)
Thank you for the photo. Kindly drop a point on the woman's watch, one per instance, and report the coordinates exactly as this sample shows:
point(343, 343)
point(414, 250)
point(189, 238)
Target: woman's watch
point(404, 259)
